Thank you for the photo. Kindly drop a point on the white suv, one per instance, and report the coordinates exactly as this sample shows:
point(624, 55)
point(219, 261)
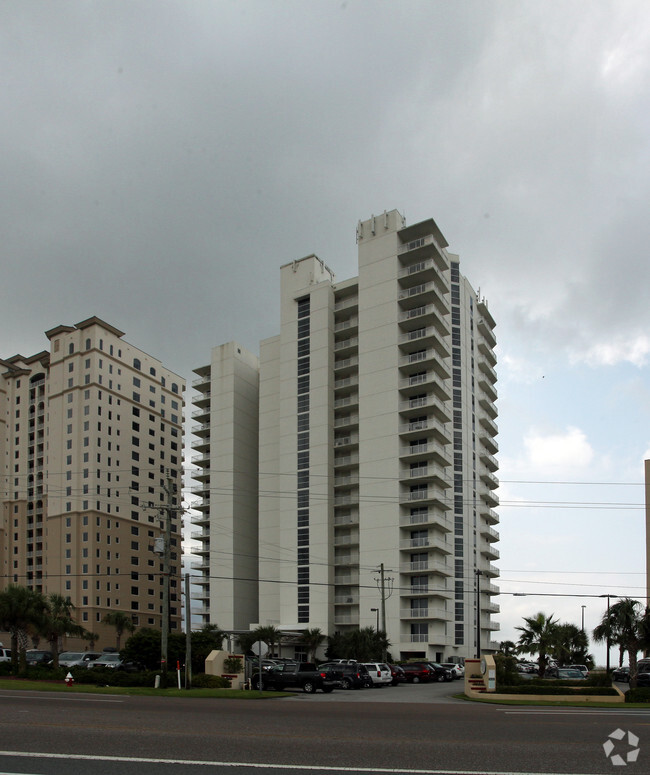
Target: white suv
point(5, 654)
point(457, 670)
point(379, 673)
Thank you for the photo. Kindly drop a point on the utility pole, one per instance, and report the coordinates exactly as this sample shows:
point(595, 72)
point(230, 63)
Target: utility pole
point(188, 634)
point(381, 583)
point(478, 613)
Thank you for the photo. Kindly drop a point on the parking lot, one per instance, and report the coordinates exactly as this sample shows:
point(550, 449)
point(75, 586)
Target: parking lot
point(404, 692)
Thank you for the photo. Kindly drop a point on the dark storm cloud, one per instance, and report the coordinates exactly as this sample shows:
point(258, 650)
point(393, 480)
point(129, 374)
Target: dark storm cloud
point(161, 160)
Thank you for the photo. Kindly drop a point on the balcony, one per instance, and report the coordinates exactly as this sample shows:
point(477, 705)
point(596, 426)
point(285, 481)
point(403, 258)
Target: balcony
point(487, 387)
point(428, 402)
point(486, 330)
point(201, 460)
point(487, 352)
point(414, 543)
point(490, 426)
point(341, 618)
point(346, 345)
point(422, 249)
point(436, 429)
point(351, 324)
point(489, 498)
point(488, 460)
point(426, 358)
point(426, 336)
point(346, 401)
point(489, 480)
point(346, 382)
point(348, 499)
point(350, 439)
point(347, 519)
point(426, 380)
point(487, 405)
point(430, 473)
point(202, 380)
point(489, 533)
point(346, 579)
point(202, 430)
point(491, 517)
point(346, 480)
point(489, 551)
point(346, 599)
point(346, 461)
point(428, 494)
point(491, 571)
point(485, 367)
point(348, 303)
point(488, 441)
point(346, 364)
point(425, 449)
point(346, 421)
point(202, 412)
point(348, 539)
point(432, 518)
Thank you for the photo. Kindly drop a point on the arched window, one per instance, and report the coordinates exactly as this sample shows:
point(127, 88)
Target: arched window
point(136, 364)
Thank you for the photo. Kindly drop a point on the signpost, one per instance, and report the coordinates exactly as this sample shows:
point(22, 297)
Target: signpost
point(261, 649)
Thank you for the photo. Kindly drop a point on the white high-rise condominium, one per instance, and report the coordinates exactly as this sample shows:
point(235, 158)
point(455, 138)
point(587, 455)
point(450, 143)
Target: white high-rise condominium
point(91, 448)
point(368, 446)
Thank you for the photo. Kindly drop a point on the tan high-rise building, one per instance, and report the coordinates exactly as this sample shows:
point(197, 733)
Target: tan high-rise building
point(372, 441)
point(91, 448)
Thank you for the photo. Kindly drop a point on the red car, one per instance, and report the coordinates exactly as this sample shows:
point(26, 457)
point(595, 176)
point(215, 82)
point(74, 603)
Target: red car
point(418, 673)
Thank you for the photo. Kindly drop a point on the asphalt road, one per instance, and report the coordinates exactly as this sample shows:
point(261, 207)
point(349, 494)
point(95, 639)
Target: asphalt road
point(397, 729)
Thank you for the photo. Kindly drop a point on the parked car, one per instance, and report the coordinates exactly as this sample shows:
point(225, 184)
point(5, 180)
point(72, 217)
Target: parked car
point(303, 675)
point(78, 658)
point(418, 673)
point(621, 674)
point(569, 674)
point(379, 673)
point(441, 673)
point(39, 657)
point(113, 662)
point(457, 670)
point(582, 668)
point(5, 654)
point(643, 679)
point(353, 675)
point(397, 674)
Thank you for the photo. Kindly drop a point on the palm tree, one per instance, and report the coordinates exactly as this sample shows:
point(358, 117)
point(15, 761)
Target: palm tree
point(572, 646)
point(21, 613)
point(58, 622)
point(91, 637)
point(538, 637)
point(121, 622)
point(508, 648)
point(312, 639)
point(628, 626)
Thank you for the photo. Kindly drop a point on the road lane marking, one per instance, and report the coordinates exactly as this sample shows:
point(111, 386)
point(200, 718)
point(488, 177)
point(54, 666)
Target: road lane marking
point(269, 766)
point(68, 698)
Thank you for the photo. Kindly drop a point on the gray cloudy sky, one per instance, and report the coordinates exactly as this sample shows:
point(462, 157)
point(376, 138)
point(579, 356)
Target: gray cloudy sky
point(160, 160)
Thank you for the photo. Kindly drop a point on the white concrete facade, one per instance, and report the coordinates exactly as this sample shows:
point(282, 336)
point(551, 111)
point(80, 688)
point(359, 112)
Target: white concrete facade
point(376, 447)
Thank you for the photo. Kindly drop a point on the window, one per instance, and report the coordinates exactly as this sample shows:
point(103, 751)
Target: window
point(136, 364)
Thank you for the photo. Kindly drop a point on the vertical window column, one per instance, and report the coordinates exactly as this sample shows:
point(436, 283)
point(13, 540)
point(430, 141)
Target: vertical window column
point(302, 458)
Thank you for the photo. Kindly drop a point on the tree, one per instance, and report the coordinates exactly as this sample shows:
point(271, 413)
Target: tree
point(208, 638)
point(311, 640)
point(364, 645)
point(58, 622)
point(121, 622)
point(144, 648)
point(246, 640)
point(571, 646)
point(508, 648)
point(627, 625)
point(22, 612)
point(538, 637)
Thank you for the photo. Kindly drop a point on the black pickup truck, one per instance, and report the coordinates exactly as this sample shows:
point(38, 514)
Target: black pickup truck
point(303, 675)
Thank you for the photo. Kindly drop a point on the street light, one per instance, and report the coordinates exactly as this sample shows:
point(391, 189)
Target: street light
point(608, 625)
point(478, 613)
point(583, 617)
point(376, 610)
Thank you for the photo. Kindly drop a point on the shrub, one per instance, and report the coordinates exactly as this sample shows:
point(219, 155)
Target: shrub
point(205, 681)
point(232, 665)
point(599, 678)
point(506, 669)
point(558, 687)
point(638, 695)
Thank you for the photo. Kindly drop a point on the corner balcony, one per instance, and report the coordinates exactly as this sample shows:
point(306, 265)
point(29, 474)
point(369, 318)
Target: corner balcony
point(489, 533)
point(485, 367)
point(488, 460)
point(489, 551)
point(490, 426)
point(488, 406)
point(491, 517)
point(489, 497)
point(487, 440)
point(485, 329)
point(487, 386)
point(489, 480)
point(422, 249)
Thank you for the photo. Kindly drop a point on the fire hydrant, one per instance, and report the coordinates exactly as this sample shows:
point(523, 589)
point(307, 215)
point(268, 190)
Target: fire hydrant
point(69, 680)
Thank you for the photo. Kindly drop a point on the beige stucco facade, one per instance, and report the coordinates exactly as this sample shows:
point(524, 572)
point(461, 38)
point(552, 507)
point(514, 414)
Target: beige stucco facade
point(91, 434)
